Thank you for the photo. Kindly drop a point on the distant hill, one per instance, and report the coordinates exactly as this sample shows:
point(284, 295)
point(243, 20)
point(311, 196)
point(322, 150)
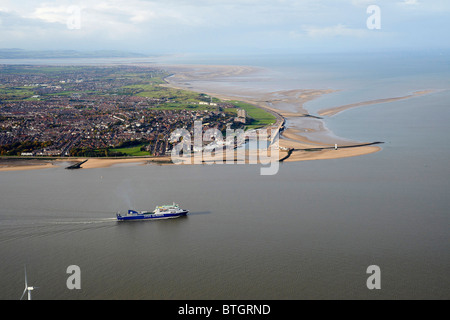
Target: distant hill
point(62, 54)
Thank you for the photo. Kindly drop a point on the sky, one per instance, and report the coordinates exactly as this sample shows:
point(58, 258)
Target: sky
point(226, 26)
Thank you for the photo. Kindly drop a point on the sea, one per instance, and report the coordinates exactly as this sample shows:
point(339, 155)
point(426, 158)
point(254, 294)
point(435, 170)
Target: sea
point(311, 231)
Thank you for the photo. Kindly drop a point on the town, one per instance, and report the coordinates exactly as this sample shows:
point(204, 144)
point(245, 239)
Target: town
point(101, 111)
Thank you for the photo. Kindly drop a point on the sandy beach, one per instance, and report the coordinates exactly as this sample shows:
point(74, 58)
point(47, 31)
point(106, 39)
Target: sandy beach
point(106, 163)
point(335, 110)
point(302, 130)
point(20, 166)
point(287, 104)
point(92, 163)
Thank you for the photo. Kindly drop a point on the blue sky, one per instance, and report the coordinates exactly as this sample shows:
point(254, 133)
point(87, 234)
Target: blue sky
point(224, 26)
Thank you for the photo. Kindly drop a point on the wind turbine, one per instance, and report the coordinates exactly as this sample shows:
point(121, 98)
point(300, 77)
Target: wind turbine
point(27, 288)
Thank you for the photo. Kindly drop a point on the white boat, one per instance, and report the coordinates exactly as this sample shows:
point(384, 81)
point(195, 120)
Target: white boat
point(160, 212)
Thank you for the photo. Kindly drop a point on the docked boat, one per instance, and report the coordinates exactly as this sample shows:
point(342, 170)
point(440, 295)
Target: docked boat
point(160, 212)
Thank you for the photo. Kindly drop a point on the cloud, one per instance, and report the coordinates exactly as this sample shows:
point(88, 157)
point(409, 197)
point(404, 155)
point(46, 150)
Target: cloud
point(410, 2)
point(57, 14)
point(179, 25)
point(363, 3)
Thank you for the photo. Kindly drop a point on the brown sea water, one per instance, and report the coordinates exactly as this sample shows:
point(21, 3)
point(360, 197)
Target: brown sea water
point(308, 232)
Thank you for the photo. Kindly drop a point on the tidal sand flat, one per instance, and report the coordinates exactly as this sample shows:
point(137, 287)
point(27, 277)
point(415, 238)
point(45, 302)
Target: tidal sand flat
point(18, 165)
point(335, 110)
point(302, 130)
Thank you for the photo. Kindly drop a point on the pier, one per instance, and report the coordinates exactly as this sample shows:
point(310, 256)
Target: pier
point(77, 165)
point(340, 147)
point(291, 150)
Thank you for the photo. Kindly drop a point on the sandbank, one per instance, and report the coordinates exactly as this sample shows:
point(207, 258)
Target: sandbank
point(335, 110)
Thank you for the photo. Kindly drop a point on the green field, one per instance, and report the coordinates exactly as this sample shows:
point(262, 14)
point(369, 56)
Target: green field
point(155, 91)
point(15, 93)
point(260, 117)
point(132, 152)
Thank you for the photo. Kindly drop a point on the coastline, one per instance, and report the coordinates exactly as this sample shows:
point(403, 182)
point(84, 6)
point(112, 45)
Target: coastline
point(286, 104)
point(16, 167)
point(301, 129)
point(92, 163)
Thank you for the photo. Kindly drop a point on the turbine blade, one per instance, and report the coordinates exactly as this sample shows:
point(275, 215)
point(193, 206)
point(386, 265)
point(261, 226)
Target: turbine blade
point(26, 284)
point(23, 293)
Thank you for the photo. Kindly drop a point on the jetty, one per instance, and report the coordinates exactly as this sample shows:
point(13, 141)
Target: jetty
point(76, 165)
point(336, 147)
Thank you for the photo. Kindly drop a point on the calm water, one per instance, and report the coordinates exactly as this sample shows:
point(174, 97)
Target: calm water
point(309, 232)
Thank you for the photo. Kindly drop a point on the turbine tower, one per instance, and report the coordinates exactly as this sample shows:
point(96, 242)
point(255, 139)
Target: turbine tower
point(27, 288)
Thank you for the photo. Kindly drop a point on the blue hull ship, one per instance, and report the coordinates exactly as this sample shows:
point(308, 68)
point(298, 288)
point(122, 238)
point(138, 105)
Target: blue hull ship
point(160, 212)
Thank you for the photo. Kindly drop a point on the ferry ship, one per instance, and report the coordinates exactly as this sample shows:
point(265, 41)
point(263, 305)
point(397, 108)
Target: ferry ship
point(160, 212)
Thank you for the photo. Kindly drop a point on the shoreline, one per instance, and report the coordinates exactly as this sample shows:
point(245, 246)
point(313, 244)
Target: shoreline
point(92, 163)
point(290, 138)
point(286, 105)
point(26, 167)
